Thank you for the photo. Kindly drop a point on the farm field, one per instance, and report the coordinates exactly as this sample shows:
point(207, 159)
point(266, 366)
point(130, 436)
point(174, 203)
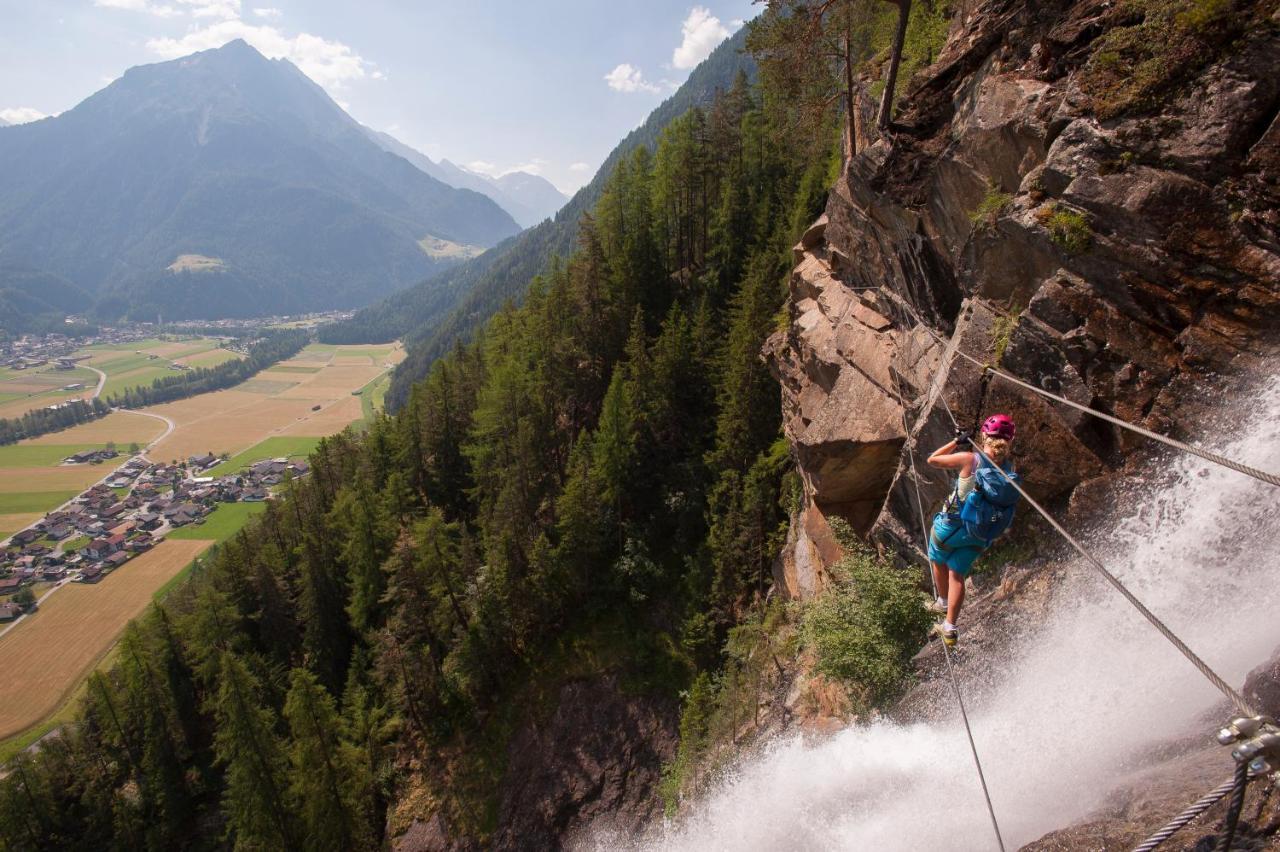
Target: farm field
point(25, 390)
point(272, 448)
point(138, 362)
point(33, 479)
point(220, 524)
point(49, 653)
point(143, 361)
point(311, 403)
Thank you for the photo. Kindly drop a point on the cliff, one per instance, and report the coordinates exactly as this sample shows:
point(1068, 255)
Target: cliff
point(1047, 202)
point(1027, 210)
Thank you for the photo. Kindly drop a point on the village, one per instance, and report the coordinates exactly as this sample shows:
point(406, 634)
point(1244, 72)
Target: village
point(30, 351)
point(127, 513)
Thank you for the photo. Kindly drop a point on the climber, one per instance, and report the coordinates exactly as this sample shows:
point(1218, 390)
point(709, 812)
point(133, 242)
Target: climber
point(979, 509)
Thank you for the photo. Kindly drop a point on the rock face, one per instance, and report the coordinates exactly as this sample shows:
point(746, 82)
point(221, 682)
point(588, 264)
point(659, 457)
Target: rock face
point(1117, 263)
point(596, 761)
point(593, 760)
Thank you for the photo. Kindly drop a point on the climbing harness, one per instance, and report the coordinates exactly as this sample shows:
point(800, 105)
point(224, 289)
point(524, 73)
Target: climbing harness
point(946, 652)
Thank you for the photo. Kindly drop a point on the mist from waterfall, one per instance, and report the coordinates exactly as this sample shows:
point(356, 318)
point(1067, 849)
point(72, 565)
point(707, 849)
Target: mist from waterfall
point(1069, 708)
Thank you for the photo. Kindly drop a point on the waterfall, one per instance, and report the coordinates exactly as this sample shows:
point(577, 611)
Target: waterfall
point(1070, 707)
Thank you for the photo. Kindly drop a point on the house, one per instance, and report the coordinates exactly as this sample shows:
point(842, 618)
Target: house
point(254, 495)
point(272, 479)
point(149, 521)
point(26, 536)
point(117, 559)
point(53, 573)
point(141, 544)
point(9, 611)
point(9, 585)
point(124, 529)
point(116, 540)
point(206, 460)
point(59, 532)
point(180, 519)
point(99, 548)
point(113, 511)
point(270, 467)
point(91, 573)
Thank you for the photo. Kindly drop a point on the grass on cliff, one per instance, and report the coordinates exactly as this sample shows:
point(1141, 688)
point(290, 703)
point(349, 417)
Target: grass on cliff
point(988, 211)
point(1155, 46)
point(1069, 229)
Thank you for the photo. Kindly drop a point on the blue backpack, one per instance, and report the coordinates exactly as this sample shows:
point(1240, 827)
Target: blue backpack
point(988, 510)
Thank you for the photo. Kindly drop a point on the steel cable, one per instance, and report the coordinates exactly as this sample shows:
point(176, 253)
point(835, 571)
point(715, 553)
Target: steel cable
point(1192, 811)
point(946, 653)
point(1213, 677)
point(1207, 455)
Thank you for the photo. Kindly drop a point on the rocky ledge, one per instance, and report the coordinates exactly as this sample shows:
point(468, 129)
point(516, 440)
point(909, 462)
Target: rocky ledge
point(1116, 262)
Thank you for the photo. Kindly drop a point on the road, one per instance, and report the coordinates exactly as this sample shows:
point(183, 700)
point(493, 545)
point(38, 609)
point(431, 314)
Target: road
point(169, 427)
point(102, 380)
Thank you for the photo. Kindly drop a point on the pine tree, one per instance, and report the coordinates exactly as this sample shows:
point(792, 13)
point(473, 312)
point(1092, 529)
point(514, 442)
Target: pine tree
point(256, 803)
point(326, 779)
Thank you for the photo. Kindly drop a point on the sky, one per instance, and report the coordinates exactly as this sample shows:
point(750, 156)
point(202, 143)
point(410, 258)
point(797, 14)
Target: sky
point(546, 86)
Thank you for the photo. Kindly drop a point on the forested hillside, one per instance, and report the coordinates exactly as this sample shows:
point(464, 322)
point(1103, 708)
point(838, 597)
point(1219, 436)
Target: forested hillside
point(603, 460)
point(453, 304)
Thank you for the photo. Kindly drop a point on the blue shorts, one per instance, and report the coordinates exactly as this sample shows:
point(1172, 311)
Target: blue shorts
point(959, 551)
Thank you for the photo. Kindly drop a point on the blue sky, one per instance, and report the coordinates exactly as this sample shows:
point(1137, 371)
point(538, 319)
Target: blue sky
point(545, 85)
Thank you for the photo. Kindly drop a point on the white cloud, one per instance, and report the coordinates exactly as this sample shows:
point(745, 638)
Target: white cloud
point(702, 31)
point(533, 166)
point(21, 115)
point(579, 167)
point(330, 63)
point(269, 13)
point(628, 78)
point(224, 9)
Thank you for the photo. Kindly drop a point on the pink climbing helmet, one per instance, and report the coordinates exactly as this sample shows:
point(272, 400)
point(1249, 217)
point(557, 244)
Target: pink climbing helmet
point(999, 426)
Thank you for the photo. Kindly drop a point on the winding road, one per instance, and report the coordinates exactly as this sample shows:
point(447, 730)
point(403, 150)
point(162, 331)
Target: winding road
point(102, 380)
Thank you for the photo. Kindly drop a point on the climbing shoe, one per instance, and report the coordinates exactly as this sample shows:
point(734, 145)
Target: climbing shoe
point(949, 633)
point(937, 605)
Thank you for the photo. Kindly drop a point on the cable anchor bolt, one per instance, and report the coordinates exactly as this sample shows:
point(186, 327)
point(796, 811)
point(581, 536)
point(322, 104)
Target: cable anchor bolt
point(1257, 743)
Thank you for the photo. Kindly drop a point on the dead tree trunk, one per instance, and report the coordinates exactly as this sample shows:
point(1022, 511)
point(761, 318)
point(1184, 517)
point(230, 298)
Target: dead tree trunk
point(899, 39)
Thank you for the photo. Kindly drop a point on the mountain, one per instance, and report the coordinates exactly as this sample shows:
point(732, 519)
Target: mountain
point(4, 123)
point(532, 192)
point(35, 301)
point(226, 184)
point(456, 302)
point(528, 198)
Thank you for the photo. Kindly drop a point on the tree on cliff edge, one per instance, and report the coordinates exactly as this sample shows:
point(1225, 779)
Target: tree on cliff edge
point(895, 61)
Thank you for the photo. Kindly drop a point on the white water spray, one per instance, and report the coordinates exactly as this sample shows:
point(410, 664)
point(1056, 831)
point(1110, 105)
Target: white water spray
point(1069, 709)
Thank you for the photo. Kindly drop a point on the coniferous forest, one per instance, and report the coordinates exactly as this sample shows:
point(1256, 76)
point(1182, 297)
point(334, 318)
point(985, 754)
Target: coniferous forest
point(600, 466)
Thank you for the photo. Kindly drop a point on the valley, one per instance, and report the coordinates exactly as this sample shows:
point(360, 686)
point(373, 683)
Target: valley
point(281, 412)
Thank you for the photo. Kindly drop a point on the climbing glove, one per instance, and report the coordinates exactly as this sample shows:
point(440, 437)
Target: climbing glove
point(962, 438)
